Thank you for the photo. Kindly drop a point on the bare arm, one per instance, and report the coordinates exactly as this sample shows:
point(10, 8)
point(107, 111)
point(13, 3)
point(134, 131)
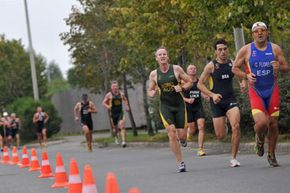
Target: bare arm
point(125, 100)
point(46, 117)
point(107, 100)
point(152, 88)
point(183, 77)
point(92, 108)
point(208, 69)
point(281, 64)
point(77, 111)
point(35, 118)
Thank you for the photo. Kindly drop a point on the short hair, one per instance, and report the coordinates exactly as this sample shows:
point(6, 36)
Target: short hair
point(114, 82)
point(160, 48)
point(220, 41)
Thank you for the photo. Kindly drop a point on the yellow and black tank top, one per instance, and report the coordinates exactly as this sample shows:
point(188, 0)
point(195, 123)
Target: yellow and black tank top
point(117, 105)
point(166, 82)
point(221, 80)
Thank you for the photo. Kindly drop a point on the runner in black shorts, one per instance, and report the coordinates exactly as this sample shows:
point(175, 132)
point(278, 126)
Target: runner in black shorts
point(114, 102)
point(15, 126)
point(223, 103)
point(84, 110)
point(166, 80)
point(7, 129)
point(195, 113)
point(40, 118)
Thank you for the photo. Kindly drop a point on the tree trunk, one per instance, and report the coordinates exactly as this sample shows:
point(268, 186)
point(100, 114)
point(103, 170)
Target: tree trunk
point(106, 83)
point(134, 129)
point(146, 106)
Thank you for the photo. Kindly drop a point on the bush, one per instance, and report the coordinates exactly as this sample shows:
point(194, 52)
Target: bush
point(25, 109)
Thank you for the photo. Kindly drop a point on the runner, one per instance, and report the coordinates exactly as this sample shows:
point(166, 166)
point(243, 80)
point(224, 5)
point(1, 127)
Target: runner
point(114, 102)
point(195, 113)
point(84, 110)
point(167, 79)
point(40, 118)
point(2, 134)
point(223, 103)
point(263, 61)
point(15, 126)
point(7, 129)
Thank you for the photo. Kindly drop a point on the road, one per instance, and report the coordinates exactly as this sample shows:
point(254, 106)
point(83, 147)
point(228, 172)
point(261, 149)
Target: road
point(153, 170)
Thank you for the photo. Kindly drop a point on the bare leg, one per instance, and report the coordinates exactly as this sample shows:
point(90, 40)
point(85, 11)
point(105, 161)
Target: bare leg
point(273, 134)
point(1, 142)
point(219, 127)
point(39, 136)
point(173, 142)
point(261, 124)
point(191, 131)
point(234, 119)
point(18, 140)
point(44, 136)
point(200, 125)
point(123, 130)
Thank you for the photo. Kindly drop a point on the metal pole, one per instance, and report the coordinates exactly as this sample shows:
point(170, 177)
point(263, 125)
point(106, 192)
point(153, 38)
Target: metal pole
point(31, 56)
point(239, 38)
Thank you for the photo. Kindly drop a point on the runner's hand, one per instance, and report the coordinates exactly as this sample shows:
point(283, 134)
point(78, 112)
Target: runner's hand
point(276, 67)
point(251, 77)
point(190, 101)
point(127, 108)
point(216, 98)
point(76, 118)
point(177, 88)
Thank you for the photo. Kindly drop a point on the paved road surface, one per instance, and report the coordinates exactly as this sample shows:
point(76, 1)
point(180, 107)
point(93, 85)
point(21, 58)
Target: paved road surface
point(153, 170)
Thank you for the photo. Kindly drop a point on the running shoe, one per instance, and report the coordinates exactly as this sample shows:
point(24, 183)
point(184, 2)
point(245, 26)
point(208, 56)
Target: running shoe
point(259, 146)
point(181, 167)
point(201, 152)
point(272, 160)
point(117, 140)
point(124, 144)
point(183, 143)
point(190, 138)
point(89, 146)
point(235, 163)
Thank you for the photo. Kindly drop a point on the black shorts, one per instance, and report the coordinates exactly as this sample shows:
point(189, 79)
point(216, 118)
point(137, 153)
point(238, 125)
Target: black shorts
point(193, 114)
point(40, 127)
point(14, 132)
point(220, 109)
point(88, 123)
point(8, 132)
point(116, 117)
point(2, 131)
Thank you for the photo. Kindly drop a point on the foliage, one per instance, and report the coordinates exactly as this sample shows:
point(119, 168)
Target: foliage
point(15, 72)
point(25, 109)
point(108, 38)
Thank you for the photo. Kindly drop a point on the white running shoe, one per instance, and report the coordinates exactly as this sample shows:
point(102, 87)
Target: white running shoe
point(235, 163)
point(117, 140)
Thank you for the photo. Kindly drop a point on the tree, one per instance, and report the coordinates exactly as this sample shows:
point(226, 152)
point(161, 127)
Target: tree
point(15, 72)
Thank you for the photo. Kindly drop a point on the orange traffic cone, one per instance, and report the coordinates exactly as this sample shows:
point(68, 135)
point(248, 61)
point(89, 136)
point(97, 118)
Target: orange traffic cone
point(134, 190)
point(112, 184)
point(60, 180)
point(34, 166)
point(74, 183)
point(6, 157)
point(45, 167)
point(15, 158)
point(89, 185)
point(25, 160)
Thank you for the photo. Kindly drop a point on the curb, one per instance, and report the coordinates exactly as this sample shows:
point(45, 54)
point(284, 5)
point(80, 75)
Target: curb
point(225, 147)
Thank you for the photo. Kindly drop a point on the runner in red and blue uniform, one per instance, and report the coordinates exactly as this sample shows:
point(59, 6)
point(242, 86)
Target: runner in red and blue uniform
point(263, 60)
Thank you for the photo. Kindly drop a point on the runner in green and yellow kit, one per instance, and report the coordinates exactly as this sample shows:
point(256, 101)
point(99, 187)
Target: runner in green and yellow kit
point(172, 107)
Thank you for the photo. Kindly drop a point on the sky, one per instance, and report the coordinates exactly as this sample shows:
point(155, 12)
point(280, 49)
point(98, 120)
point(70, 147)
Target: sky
point(46, 22)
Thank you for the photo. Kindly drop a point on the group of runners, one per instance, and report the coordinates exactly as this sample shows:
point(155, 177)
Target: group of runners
point(10, 126)
point(180, 94)
point(113, 101)
point(9, 130)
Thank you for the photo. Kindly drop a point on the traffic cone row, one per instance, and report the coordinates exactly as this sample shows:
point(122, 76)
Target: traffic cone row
point(74, 183)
